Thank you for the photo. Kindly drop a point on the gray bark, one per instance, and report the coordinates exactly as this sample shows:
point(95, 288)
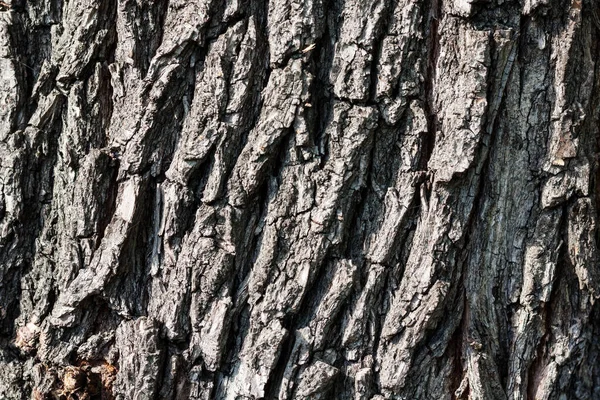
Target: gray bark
point(299, 199)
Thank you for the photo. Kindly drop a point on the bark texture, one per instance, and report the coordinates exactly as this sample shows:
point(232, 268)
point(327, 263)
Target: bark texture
point(299, 199)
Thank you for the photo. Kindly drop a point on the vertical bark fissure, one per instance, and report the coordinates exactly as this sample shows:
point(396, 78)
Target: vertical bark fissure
point(435, 9)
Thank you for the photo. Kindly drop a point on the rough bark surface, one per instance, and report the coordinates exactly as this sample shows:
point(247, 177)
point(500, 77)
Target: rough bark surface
point(299, 199)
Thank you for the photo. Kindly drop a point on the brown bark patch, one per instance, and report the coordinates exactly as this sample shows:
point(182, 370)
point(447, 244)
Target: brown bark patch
point(86, 381)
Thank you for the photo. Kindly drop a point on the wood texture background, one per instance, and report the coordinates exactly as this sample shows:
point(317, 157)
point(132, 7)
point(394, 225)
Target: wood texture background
point(299, 199)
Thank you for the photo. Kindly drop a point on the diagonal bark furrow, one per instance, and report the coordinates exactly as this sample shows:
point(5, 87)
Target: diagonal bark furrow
point(435, 247)
point(314, 221)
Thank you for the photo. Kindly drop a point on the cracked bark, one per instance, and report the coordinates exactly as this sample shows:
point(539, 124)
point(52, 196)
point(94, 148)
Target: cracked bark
point(317, 199)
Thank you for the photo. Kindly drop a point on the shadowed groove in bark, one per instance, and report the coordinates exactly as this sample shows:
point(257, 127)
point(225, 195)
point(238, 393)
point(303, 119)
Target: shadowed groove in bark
point(432, 56)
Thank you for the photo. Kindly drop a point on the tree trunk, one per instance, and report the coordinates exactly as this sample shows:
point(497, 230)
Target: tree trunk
point(299, 199)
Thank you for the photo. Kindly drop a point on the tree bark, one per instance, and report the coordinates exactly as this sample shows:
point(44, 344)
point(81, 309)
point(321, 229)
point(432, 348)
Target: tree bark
point(299, 199)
